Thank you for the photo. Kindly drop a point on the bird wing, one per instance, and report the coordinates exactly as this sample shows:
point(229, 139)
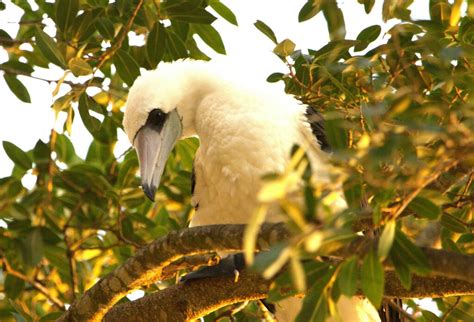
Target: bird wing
point(316, 121)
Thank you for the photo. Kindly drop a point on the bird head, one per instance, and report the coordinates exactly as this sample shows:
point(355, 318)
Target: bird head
point(153, 126)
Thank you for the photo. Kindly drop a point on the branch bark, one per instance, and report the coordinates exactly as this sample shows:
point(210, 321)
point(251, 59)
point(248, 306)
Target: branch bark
point(451, 275)
point(184, 302)
point(148, 265)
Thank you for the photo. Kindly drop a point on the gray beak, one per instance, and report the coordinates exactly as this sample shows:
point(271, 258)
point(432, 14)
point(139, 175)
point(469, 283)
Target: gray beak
point(153, 147)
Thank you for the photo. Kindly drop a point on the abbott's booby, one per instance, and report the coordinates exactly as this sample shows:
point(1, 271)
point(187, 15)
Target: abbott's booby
point(246, 130)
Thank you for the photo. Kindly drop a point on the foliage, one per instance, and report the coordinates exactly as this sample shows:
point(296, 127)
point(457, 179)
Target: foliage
point(399, 117)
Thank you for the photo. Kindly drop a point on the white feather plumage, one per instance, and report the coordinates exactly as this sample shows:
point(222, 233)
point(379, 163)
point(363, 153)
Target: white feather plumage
point(246, 130)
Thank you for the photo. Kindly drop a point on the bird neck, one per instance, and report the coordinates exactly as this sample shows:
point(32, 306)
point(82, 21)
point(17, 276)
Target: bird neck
point(196, 89)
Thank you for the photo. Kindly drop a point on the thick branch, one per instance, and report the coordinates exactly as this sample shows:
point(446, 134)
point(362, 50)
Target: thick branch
point(152, 263)
point(147, 266)
point(184, 302)
point(443, 263)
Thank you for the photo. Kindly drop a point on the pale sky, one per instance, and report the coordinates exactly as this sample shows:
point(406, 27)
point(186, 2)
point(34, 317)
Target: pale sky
point(23, 124)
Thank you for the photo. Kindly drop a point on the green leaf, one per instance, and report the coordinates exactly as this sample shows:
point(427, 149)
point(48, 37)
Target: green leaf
point(223, 11)
point(176, 46)
point(32, 247)
point(409, 253)
point(403, 273)
point(453, 224)
point(275, 77)
point(367, 36)
point(283, 284)
point(424, 208)
point(17, 88)
point(5, 39)
point(17, 155)
point(399, 9)
point(368, 4)
point(106, 28)
point(353, 192)
point(79, 67)
point(91, 123)
point(430, 316)
point(309, 10)
point(65, 12)
point(128, 169)
point(16, 66)
point(197, 15)
point(84, 25)
point(64, 149)
point(54, 316)
point(210, 36)
point(285, 48)
point(41, 153)
point(265, 259)
point(267, 31)
point(127, 67)
point(336, 134)
point(335, 20)
point(347, 277)
point(386, 239)
point(372, 278)
point(315, 304)
point(49, 48)
point(156, 44)
point(13, 286)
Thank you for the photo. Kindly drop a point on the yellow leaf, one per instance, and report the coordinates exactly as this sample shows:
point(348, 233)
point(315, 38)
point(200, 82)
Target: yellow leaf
point(313, 241)
point(79, 67)
point(455, 13)
point(61, 104)
point(69, 120)
point(278, 264)
point(251, 233)
point(59, 83)
point(102, 98)
point(284, 48)
point(400, 106)
point(273, 190)
point(298, 275)
point(88, 254)
point(294, 213)
point(364, 141)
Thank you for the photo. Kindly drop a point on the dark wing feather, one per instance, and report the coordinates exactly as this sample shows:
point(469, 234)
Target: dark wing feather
point(193, 180)
point(316, 121)
point(193, 185)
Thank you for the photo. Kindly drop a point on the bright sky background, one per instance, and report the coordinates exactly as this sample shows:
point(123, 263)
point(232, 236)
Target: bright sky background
point(23, 124)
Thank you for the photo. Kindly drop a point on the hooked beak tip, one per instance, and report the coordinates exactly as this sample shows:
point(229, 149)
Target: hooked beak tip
point(149, 191)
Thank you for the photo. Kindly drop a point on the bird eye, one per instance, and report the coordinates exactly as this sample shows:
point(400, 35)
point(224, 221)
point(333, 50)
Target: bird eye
point(156, 115)
point(156, 119)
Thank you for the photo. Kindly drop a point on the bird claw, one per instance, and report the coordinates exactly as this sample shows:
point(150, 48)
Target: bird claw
point(228, 266)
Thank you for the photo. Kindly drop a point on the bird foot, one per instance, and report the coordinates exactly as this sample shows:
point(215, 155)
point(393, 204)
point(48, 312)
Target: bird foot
point(229, 266)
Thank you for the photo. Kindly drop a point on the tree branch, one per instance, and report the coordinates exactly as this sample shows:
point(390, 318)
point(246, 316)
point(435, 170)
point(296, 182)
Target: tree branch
point(451, 274)
point(184, 301)
point(149, 263)
point(38, 286)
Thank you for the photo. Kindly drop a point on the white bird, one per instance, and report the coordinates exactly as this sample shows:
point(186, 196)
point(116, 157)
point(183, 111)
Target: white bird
point(246, 130)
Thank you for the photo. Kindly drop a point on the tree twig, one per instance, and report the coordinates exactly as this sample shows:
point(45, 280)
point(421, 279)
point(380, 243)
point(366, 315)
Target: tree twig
point(43, 290)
